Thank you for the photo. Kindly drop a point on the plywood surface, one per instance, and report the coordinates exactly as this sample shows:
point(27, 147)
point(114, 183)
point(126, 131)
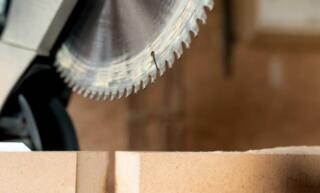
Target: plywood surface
point(281, 171)
point(38, 173)
point(54, 172)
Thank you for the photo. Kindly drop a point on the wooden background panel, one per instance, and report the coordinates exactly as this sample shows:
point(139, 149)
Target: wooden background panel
point(272, 100)
point(100, 125)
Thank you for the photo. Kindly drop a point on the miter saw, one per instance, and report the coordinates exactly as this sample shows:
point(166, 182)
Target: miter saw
point(101, 49)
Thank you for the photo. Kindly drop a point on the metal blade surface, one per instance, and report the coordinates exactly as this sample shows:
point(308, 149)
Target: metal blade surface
point(118, 47)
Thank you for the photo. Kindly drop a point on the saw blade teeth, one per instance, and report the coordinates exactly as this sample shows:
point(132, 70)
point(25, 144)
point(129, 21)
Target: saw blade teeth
point(68, 80)
point(121, 93)
point(179, 50)
point(99, 96)
point(105, 96)
point(75, 88)
point(102, 95)
point(113, 95)
point(203, 17)
point(64, 74)
point(145, 82)
point(133, 74)
point(129, 91)
point(93, 95)
point(153, 75)
point(171, 60)
point(162, 69)
point(194, 29)
point(80, 91)
point(167, 65)
point(87, 93)
point(71, 84)
point(137, 87)
point(187, 40)
point(209, 4)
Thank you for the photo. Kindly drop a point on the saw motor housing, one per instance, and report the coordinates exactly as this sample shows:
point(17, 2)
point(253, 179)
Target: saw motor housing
point(33, 98)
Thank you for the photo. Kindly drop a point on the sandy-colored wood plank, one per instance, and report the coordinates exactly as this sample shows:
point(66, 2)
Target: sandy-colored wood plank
point(283, 171)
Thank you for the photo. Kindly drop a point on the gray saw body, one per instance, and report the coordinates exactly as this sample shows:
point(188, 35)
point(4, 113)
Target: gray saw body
point(114, 48)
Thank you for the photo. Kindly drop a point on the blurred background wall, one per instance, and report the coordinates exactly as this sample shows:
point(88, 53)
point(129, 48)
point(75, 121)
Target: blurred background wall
point(250, 80)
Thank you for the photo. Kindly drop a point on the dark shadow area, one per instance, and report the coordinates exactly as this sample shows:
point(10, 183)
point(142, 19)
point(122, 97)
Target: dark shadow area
point(303, 176)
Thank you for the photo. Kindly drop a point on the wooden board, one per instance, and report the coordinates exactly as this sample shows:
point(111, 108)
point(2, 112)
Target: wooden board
point(294, 170)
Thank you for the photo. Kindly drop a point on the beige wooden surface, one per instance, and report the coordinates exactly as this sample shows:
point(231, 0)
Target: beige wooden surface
point(37, 173)
point(292, 170)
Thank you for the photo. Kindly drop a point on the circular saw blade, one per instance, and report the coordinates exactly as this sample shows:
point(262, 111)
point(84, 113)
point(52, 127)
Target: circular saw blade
point(118, 47)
